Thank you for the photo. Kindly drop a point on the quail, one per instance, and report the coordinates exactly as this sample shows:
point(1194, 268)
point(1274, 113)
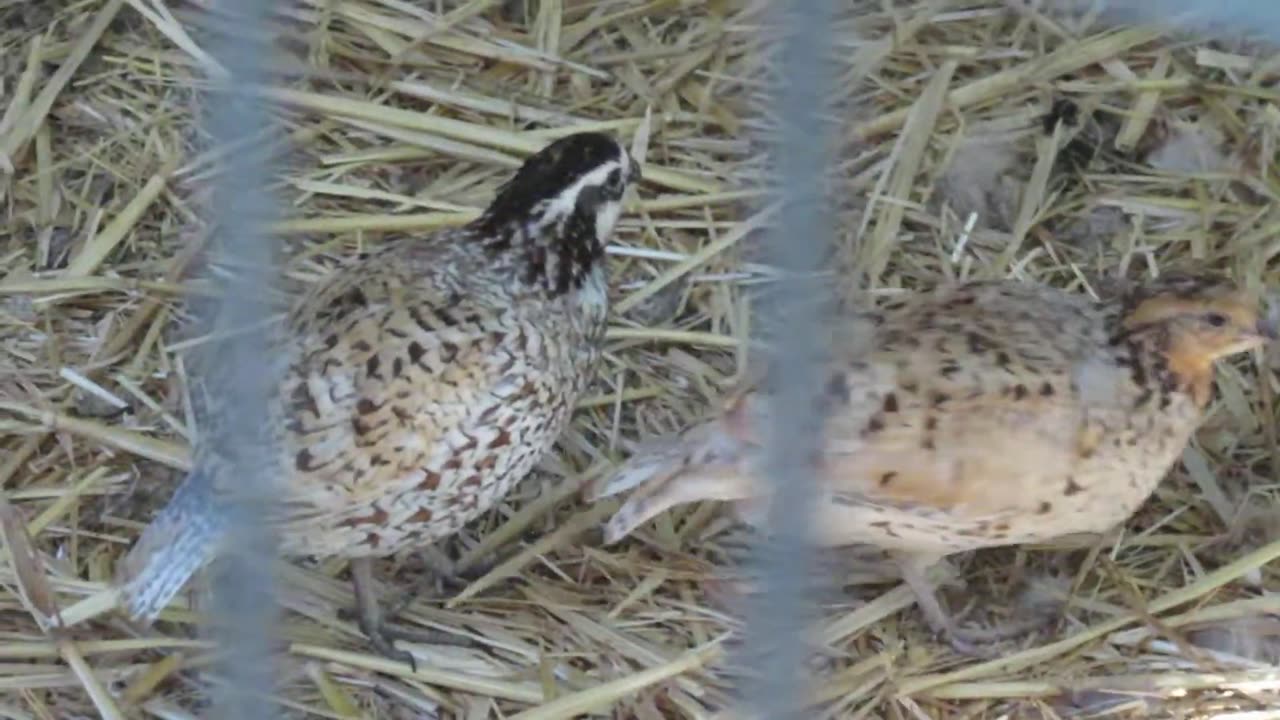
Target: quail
point(420, 383)
point(974, 415)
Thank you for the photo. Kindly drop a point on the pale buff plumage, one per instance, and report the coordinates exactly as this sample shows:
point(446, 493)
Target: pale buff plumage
point(976, 415)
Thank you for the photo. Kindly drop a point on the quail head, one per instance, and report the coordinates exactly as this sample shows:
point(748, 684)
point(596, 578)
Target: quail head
point(422, 381)
point(976, 415)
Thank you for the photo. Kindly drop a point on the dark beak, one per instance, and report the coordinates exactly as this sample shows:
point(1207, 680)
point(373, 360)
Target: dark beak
point(1269, 321)
point(1267, 328)
point(636, 175)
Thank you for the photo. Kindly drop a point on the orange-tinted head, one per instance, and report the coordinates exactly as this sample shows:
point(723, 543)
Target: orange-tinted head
point(1205, 319)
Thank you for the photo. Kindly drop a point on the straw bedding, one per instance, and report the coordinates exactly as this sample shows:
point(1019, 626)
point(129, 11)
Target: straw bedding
point(977, 138)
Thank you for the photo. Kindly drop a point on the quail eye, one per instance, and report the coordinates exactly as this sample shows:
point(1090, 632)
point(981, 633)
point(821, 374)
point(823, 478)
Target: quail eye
point(614, 181)
point(1216, 319)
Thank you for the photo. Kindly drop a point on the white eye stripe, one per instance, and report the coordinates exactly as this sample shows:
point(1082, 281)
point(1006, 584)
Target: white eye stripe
point(564, 203)
point(609, 181)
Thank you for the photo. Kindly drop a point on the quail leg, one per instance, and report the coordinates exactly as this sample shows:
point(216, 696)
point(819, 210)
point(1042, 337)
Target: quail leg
point(374, 625)
point(442, 569)
point(966, 641)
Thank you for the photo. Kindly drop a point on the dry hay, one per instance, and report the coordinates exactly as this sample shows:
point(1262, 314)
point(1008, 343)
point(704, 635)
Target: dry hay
point(953, 163)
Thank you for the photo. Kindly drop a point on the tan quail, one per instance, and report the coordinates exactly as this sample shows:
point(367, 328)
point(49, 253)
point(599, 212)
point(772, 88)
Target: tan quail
point(421, 382)
point(975, 415)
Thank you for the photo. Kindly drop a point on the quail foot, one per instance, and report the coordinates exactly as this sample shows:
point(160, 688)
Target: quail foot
point(422, 381)
point(975, 415)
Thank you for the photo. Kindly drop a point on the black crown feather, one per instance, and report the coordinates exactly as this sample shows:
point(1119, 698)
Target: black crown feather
point(546, 173)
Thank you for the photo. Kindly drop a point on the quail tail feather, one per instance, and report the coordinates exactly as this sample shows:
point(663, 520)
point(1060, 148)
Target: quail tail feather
point(177, 543)
point(706, 462)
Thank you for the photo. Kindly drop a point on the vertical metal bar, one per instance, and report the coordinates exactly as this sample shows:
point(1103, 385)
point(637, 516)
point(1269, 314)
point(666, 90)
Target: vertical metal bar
point(1261, 17)
point(778, 620)
point(245, 607)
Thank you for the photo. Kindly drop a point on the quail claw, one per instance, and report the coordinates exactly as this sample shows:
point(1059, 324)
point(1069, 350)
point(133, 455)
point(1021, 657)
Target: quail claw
point(443, 570)
point(972, 642)
point(382, 634)
point(382, 641)
point(971, 649)
point(983, 643)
